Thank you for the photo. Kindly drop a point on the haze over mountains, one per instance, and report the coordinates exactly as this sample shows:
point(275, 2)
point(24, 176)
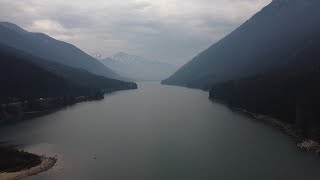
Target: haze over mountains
point(25, 76)
point(34, 65)
point(138, 68)
point(269, 66)
point(269, 39)
point(267, 71)
point(41, 45)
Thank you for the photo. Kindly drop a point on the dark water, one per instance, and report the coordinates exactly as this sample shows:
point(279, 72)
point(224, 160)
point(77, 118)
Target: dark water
point(161, 133)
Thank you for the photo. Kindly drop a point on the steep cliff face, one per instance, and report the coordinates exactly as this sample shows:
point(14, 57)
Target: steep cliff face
point(269, 39)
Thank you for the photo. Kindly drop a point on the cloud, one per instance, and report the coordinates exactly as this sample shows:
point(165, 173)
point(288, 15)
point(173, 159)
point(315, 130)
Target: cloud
point(141, 5)
point(46, 25)
point(168, 30)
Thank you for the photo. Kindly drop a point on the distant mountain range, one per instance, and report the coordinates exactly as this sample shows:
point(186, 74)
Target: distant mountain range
point(44, 46)
point(270, 39)
point(138, 68)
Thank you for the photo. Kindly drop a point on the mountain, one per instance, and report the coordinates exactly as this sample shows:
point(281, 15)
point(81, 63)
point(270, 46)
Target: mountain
point(25, 76)
point(269, 39)
point(289, 93)
point(43, 46)
point(22, 78)
point(138, 68)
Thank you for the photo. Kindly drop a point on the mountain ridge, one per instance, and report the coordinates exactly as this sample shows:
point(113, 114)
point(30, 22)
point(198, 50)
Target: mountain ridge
point(267, 39)
point(42, 45)
point(26, 76)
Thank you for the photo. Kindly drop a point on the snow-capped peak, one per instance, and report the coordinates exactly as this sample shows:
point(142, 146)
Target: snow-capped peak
point(125, 58)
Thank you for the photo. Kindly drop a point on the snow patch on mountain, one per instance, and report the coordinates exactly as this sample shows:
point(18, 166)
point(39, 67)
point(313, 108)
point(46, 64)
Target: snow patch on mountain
point(139, 68)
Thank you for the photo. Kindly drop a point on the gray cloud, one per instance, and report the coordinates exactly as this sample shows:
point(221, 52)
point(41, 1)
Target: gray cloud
point(168, 30)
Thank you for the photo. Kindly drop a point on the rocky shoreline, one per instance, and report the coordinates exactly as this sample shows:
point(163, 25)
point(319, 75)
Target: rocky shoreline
point(295, 133)
point(303, 143)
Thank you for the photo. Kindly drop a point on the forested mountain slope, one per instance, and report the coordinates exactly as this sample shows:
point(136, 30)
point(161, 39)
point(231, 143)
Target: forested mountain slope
point(41, 45)
point(269, 39)
point(25, 76)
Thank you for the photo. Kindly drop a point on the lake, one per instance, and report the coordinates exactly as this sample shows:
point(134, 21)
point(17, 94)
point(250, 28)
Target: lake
point(160, 133)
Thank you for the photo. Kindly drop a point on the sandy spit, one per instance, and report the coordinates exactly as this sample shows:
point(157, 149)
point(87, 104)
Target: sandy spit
point(46, 164)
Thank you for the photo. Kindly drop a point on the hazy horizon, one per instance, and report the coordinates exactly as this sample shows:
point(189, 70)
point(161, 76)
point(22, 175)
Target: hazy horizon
point(171, 32)
point(160, 90)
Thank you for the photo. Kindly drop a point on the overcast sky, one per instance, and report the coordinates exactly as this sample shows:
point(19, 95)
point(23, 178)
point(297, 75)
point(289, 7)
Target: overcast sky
point(173, 31)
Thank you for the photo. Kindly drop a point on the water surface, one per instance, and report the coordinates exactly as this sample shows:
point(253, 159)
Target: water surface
point(160, 133)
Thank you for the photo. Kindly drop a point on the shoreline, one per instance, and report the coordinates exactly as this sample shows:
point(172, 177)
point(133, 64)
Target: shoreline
point(290, 130)
point(15, 112)
point(46, 164)
point(302, 142)
point(20, 111)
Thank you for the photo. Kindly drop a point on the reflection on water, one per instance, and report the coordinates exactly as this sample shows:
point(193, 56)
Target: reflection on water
point(160, 132)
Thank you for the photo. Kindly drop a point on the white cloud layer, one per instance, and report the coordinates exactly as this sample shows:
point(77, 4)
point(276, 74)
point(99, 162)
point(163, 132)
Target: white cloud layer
point(168, 30)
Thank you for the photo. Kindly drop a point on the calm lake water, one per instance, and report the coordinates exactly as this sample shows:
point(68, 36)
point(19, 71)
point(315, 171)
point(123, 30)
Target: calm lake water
point(160, 133)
